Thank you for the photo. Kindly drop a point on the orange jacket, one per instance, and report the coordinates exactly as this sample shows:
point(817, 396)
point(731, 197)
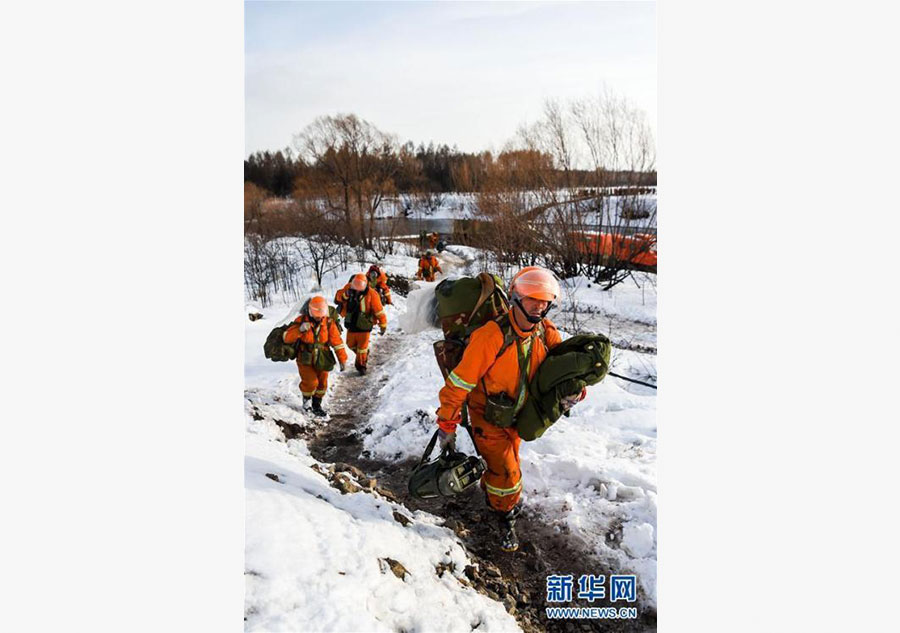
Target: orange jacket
point(370, 304)
point(325, 331)
point(380, 282)
point(433, 240)
point(479, 369)
point(428, 262)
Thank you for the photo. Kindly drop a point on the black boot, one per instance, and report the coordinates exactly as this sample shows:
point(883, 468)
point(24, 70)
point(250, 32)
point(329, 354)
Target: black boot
point(317, 406)
point(361, 369)
point(509, 541)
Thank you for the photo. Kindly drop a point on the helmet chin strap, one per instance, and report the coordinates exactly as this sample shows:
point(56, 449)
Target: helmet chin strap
point(531, 319)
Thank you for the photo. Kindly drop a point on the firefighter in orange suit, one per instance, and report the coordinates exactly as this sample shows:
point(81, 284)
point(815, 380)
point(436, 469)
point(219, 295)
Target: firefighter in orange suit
point(315, 332)
point(428, 266)
point(490, 366)
point(361, 308)
point(378, 280)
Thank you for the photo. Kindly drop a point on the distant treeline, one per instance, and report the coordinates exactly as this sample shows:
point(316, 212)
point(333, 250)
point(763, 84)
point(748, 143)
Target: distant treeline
point(431, 169)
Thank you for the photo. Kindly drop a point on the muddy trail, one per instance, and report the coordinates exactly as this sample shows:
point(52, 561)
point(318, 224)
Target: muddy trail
point(516, 580)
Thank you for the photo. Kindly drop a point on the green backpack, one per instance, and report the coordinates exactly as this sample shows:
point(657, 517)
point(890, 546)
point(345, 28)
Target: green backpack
point(357, 320)
point(577, 362)
point(276, 349)
point(464, 305)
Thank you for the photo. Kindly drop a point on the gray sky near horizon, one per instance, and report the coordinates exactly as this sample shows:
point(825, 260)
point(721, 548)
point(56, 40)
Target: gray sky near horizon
point(463, 73)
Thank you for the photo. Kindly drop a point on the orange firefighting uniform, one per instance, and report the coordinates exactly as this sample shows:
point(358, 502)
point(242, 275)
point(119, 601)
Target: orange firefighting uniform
point(370, 304)
point(428, 266)
point(478, 370)
point(433, 240)
point(380, 283)
point(313, 382)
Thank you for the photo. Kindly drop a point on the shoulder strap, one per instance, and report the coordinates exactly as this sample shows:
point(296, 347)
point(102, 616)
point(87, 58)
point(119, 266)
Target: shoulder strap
point(509, 335)
point(487, 287)
point(509, 338)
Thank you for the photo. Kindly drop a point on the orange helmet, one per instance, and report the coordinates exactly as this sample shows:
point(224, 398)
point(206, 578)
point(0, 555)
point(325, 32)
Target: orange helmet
point(535, 282)
point(359, 282)
point(318, 307)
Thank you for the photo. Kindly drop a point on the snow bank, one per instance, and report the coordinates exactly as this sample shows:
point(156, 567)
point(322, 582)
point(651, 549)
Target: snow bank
point(421, 309)
point(626, 300)
point(316, 559)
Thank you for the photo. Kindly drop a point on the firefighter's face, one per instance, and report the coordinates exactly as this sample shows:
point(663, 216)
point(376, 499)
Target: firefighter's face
point(534, 307)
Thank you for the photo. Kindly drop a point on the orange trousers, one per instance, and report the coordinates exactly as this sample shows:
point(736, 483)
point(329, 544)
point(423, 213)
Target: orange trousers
point(312, 382)
point(358, 342)
point(502, 481)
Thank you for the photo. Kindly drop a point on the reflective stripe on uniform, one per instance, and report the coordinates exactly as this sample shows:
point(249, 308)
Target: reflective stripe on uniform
point(362, 349)
point(321, 393)
point(341, 346)
point(459, 382)
point(307, 394)
point(380, 312)
point(503, 492)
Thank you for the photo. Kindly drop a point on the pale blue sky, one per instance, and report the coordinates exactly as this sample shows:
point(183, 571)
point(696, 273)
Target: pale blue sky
point(464, 73)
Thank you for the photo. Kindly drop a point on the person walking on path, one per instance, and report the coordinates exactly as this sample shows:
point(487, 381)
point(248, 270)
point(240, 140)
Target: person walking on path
point(490, 380)
point(314, 333)
point(361, 308)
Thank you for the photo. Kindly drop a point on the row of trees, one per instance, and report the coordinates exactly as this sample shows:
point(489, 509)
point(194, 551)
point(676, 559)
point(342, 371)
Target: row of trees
point(431, 169)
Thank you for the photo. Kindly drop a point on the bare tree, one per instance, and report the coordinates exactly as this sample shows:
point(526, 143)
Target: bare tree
point(619, 141)
point(353, 166)
point(323, 246)
point(254, 198)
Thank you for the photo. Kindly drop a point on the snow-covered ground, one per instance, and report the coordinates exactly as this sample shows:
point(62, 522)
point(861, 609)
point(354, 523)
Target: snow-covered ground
point(318, 560)
point(626, 314)
point(312, 554)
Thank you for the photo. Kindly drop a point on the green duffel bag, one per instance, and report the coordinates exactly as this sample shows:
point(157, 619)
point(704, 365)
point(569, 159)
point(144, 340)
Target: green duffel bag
point(276, 349)
point(574, 364)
